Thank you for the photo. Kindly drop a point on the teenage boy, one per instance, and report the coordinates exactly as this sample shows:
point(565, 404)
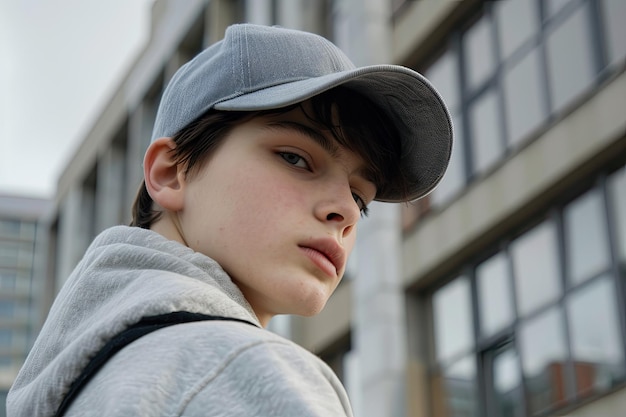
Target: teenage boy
point(267, 149)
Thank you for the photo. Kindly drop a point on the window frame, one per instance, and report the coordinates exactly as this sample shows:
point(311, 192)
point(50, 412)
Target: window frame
point(485, 346)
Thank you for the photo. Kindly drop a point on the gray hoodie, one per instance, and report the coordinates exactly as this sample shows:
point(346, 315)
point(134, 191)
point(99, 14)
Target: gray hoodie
point(207, 368)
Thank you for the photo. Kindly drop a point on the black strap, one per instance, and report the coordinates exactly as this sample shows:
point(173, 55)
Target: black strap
point(142, 328)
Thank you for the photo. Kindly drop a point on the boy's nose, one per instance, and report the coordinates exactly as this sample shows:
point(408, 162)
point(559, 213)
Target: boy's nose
point(340, 210)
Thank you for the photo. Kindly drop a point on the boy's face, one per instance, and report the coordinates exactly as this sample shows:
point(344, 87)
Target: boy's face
point(276, 205)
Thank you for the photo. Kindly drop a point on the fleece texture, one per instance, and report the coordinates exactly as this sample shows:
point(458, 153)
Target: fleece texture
point(209, 368)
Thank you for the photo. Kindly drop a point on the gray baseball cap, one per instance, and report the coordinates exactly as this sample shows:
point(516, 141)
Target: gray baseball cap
point(262, 68)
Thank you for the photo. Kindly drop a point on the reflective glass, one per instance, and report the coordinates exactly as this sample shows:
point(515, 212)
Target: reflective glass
point(485, 118)
point(453, 318)
point(517, 22)
point(523, 97)
point(536, 267)
point(460, 389)
point(5, 337)
point(10, 228)
point(614, 14)
point(444, 75)
point(596, 343)
point(478, 52)
point(454, 179)
point(7, 281)
point(554, 6)
point(544, 357)
point(9, 254)
point(507, 385)
point(6, 363)
point(495, 300)
point(7, 309)
point(570, 60)
point(617, 198)
point(3, 398)
point(586, 240)
point(16, 339)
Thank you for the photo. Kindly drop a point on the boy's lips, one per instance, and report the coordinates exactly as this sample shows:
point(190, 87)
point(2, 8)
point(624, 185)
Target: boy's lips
point(328, 249)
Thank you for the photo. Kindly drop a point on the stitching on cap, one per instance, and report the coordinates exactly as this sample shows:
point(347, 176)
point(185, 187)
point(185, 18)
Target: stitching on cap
point(247, 81)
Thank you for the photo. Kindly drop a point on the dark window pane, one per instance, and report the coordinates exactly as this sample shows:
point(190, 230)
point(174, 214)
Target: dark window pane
point(455, 391)
point(554, 6)
point(7, 309)
point(478, 49)
point(5, 337)
point(507, 385)
point(517, 22)
point(7, 281)
point(3, 400)
point(586, 240)
point(536, 267)
point(484, 115)
point(570, 60)
point(495, 295)
point(453, 319)
point(10, 228)
point(596, 343)
point(444, 74)
point(544, 356)
point(614, 17)
point(523, 97)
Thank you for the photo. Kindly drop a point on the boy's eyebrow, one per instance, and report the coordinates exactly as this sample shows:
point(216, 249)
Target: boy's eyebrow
point(328, 145)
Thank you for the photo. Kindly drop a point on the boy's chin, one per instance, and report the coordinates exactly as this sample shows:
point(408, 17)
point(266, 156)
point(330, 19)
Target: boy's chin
point(313, 308)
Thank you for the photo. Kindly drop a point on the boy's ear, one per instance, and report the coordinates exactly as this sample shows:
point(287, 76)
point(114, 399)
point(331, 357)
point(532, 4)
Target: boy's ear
point(165, 179)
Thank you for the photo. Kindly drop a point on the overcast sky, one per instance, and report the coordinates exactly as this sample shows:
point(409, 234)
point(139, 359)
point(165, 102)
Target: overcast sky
point(59, 61)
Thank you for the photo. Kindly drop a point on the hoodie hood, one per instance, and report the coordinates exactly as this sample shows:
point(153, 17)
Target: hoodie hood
point(126, 274)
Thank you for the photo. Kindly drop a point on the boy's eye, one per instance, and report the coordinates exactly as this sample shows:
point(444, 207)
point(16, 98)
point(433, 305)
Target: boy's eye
point(361, 203)
point(294, 159)
point(298, 161)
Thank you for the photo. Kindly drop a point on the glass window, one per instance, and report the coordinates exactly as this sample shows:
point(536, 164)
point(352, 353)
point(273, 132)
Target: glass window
point(7, 309)
point(6, 362)
point(596, 342)
point(7, 280)
point(617, 198)
point(456, 394)
point(517, 22)
point(586, 240)
point(5, 337)
point(453, 319)
point(544, 356)
point(478, 48)
point(486, 142)
point(454, 179)
point(28, 230)
point(507, 395)
point(570, 61)
point(10, 228)
point(555, 6)
point(9, 254)
point(3, 400)
point(614, 14)
point(444, 75)
point(523, 97)
point(536, 268)
point(495, 295)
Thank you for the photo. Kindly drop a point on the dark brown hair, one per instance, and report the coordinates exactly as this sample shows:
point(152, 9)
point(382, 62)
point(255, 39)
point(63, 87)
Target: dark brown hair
point(362, 128)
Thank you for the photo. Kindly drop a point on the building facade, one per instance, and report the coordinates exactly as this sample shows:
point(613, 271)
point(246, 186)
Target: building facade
point(20, 283)
point(503, 293)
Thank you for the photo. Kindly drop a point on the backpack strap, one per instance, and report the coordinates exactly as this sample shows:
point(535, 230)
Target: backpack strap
point(145, 326)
